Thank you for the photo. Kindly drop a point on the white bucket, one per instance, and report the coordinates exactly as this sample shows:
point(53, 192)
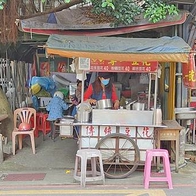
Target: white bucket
point(158, 119)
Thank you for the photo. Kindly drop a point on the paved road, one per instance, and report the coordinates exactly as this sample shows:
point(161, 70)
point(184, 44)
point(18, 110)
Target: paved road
point(108, 190)
point(56, 161)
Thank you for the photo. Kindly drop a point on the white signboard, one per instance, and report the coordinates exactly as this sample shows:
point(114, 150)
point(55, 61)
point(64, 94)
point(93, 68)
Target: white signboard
point(84, 63)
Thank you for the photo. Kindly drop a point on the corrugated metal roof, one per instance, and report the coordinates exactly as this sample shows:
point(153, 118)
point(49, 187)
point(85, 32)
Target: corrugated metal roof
point(74, 22)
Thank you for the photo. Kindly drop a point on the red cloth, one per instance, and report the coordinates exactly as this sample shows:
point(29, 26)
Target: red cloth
point(89, 92)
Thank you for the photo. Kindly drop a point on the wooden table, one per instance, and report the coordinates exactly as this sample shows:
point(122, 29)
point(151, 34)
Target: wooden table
point(170, 133)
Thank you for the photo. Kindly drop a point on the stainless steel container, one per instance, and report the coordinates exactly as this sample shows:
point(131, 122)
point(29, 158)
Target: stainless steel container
point(83, 116)
point(66, 128)
point(67, 118)
point(104, 104)
point(158, 119)
point(138, 106)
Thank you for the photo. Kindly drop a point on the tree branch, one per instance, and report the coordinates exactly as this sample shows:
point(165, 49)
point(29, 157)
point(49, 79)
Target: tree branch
point(56, 9)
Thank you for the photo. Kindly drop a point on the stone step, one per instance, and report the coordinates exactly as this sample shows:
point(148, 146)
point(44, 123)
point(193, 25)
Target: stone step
point(190, 147)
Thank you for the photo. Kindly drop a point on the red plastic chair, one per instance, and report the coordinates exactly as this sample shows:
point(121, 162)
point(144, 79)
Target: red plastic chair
point(23, 115)
point(42, 124)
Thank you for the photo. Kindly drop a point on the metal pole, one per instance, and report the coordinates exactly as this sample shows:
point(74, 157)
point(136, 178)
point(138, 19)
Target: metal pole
point(82, 93)
point(149, 89)
point(155, 97)
point(1, 148)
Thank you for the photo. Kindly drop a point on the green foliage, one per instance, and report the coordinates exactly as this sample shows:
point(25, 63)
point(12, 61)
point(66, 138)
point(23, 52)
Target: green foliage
point(125, 11)
point(2, 2)
point(157, 10)
point(107, 3)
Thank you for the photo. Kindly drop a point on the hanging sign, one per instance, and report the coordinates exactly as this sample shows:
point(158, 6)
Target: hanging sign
point(189, 73)
point(122, 66)
point(44, 69)
point(84, 63)
point(61, 67)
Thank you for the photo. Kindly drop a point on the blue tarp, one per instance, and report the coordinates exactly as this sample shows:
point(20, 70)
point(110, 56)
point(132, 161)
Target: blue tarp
point(164, 49)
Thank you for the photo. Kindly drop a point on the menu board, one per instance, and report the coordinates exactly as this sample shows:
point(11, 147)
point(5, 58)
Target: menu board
point(122, 66)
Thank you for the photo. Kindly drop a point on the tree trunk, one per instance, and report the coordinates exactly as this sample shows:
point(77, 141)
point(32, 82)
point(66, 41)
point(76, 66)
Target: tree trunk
point(6, 126)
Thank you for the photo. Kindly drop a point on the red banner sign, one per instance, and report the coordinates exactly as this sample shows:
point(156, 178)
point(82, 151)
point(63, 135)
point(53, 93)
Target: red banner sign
point(122, 66)
point(189, 73)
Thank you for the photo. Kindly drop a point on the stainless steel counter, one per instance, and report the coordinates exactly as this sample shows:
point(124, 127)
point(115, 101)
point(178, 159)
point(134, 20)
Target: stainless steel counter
point(122, 116)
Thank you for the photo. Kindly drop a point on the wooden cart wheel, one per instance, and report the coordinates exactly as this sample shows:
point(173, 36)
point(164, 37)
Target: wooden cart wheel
point(120, 155)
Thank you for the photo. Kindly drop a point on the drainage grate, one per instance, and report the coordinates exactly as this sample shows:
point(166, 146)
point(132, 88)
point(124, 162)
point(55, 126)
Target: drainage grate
point(25, 177)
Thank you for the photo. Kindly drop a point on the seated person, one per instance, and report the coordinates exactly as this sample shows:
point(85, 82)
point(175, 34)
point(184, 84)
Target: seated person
point(55, 109)
point(76, 99)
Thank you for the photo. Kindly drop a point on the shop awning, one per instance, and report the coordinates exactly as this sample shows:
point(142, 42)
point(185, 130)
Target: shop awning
point(164, 49)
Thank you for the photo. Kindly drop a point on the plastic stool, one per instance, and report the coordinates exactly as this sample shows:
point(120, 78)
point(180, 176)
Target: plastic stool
point(81, 174)
point(166, 176)
point(42, 124)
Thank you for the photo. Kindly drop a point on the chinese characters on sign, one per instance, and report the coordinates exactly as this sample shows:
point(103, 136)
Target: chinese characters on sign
point(128, 131)
point(107, 130)
point(122, 66)
point(189, 73)
point(146, 132)
point(90, 130)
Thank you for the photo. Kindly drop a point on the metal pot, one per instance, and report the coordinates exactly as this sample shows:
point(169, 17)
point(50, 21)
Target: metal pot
point(104, 104)
point(138, 106)
point(129, 104)
point(83, 116)
point(67, 119)
point(84, 106)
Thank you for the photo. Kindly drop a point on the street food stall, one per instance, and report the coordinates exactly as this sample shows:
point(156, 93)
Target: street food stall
point(122, 135)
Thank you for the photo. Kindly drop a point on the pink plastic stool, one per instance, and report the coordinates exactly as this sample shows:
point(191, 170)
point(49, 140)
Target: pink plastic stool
point(165, 176)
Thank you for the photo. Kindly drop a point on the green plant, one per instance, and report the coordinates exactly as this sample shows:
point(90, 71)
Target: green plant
point(2, 2)
point(124, 12)
point(157, 10)
point(108, 3)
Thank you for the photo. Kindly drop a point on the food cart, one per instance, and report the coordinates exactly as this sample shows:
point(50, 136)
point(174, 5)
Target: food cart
point(122, 135)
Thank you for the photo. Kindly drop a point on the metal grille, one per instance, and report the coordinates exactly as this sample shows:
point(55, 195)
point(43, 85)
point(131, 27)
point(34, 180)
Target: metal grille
point(14, 81)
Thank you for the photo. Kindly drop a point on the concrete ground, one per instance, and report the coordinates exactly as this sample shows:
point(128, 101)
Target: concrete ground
point(56, 161)
point(58, 154)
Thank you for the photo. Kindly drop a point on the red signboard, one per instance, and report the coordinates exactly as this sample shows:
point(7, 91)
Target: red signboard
point(45, 69)
point(189, 73)
point(122, 66)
